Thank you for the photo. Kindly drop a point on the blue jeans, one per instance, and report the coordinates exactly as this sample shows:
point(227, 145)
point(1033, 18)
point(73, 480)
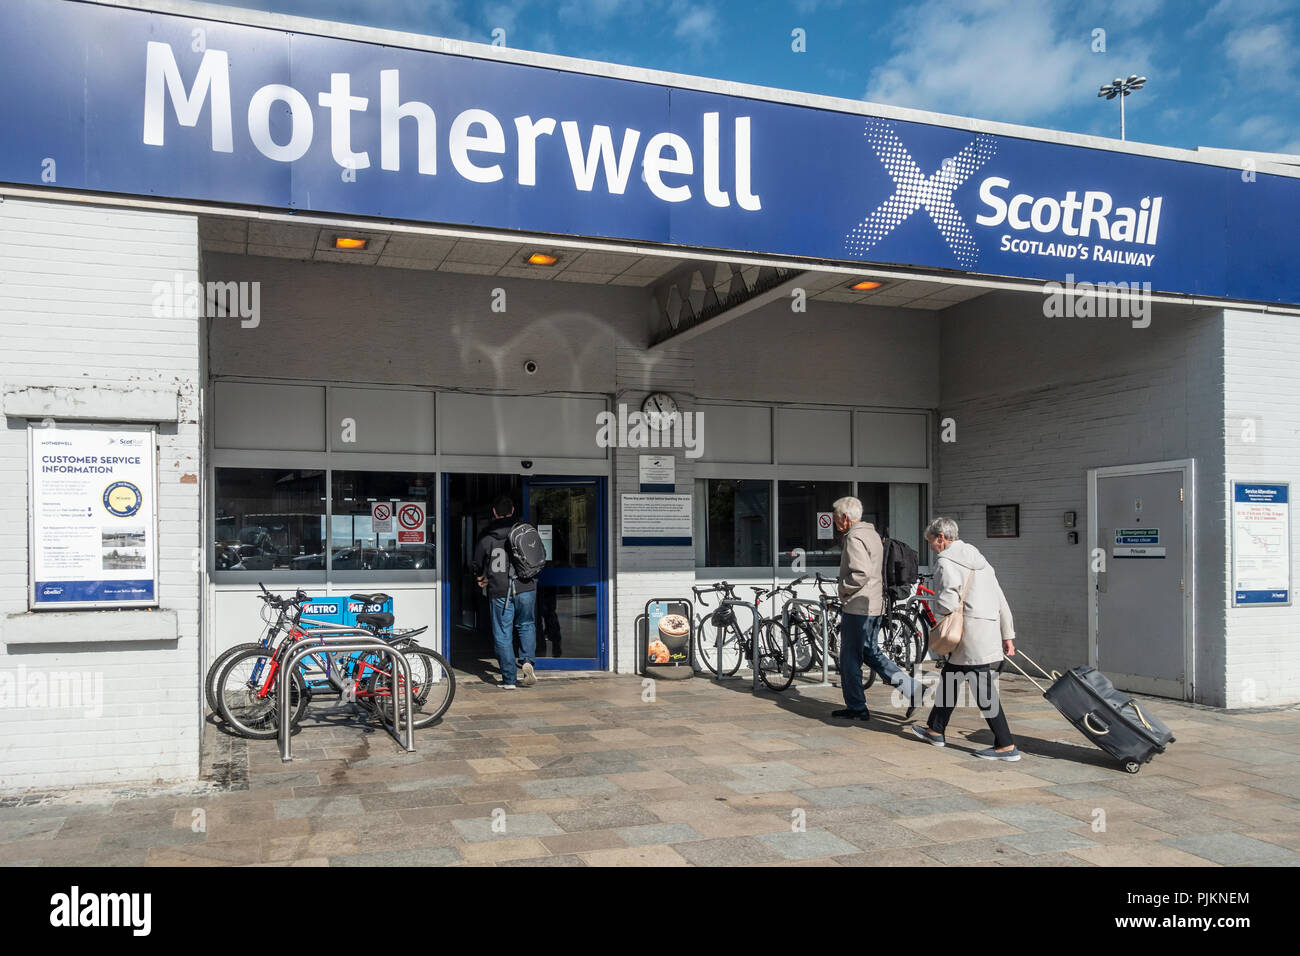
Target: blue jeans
point(858, 645)
point(510, 614)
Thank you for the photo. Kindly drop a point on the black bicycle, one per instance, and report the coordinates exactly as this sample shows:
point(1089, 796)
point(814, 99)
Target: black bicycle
point(723, 646)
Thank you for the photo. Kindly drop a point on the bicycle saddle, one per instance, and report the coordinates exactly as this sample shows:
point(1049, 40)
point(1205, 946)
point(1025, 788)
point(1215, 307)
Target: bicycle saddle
point(378, 621)
point(377, 598)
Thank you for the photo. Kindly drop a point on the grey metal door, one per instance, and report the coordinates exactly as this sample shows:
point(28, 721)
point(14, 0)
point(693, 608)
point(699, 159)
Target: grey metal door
point(1141, 629)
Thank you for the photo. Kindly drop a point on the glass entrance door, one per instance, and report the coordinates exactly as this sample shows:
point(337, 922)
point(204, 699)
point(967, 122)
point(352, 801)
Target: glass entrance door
point(572, 625)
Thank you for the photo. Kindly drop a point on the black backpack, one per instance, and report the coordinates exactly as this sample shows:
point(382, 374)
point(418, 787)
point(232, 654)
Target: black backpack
point(902, 567)
point(527, 552)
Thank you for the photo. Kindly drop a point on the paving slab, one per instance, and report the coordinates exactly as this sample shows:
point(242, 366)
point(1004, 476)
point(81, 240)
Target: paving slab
point(581, 771)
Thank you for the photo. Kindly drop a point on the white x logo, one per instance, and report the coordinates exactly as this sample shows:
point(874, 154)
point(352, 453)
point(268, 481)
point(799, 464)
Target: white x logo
point(912, 190)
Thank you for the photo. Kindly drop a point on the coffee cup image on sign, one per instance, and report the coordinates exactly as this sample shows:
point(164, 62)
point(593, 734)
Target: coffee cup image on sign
point(674, 631)
point(123, 548)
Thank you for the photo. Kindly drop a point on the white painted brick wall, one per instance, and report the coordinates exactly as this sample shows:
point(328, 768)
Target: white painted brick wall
point(76, 297)
point(1037, 402)
point(1263, 647)
point(646, 573)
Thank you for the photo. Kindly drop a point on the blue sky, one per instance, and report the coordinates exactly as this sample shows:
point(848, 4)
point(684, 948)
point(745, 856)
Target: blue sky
point(1221, 72)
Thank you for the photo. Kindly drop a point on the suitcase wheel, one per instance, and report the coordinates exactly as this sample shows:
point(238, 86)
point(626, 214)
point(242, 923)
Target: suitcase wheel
point(1132, 766)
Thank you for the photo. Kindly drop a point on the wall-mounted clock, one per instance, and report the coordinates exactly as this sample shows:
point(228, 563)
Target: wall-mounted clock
point(659, 409)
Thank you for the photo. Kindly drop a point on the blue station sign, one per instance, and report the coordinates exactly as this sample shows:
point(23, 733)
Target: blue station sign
point(142, 103)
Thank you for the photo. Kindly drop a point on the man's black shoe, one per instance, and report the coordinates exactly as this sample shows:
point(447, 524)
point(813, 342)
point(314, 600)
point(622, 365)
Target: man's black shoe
point(846, 714)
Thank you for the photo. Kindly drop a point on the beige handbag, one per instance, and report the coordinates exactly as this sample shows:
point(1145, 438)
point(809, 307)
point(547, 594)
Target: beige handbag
point(948, 634)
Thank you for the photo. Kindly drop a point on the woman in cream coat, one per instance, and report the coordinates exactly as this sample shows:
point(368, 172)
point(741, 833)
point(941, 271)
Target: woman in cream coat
point(988, 634)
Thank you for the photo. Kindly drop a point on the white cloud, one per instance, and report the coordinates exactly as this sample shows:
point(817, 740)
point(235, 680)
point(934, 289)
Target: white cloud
point(696, 23)
point(1262, 55)
point(987, 58)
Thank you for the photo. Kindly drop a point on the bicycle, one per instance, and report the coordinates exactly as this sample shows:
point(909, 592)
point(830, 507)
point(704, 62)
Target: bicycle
point(895, 638)
point(804, 631)
point(331, 672)
point(247, 686)
point(727, 648)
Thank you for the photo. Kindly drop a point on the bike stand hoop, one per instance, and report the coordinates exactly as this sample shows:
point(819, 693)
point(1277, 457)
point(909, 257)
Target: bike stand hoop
point(343, 643)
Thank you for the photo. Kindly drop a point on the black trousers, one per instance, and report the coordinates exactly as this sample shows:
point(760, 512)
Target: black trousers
point(980, 681)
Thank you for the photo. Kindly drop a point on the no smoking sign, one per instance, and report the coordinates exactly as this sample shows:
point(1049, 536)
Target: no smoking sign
point(381, 516)
point(825, 525)
point(410, 522)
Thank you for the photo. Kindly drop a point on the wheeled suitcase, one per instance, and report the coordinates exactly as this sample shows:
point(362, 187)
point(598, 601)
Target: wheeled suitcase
point(1110, 718)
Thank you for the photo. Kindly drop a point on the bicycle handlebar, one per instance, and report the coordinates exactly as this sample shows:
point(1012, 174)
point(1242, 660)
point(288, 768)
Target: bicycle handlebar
point(728, 590)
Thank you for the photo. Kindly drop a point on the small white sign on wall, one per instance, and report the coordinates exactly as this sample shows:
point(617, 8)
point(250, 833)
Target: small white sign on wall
point(658, 473)
point(825, 525)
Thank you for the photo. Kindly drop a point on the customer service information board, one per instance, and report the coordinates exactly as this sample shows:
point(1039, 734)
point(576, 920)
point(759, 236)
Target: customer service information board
point(93, 528)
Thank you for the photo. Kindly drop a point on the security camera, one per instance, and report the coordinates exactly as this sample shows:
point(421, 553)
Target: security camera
point(526, 464)
point(530, 367)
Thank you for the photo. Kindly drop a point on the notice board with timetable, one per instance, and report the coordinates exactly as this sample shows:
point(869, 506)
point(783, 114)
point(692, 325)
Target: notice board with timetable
point(1261, 544)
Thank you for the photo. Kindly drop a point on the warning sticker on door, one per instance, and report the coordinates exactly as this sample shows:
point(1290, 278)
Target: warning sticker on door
point(381, 517)
point(1137, 543)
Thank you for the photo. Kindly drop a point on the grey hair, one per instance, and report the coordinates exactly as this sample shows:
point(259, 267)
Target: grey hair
point(849, 507)
point(941, 526)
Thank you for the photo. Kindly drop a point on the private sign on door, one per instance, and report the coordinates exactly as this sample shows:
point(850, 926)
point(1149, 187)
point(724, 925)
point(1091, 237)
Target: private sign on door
point(410, 522)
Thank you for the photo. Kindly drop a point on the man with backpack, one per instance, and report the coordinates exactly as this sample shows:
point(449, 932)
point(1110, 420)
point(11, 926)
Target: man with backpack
point(507, 560)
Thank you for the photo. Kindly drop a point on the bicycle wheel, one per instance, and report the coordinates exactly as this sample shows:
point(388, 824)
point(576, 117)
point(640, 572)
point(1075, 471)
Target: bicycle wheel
point(707, 649)
point(833, 636)
point(244, 709)
point(210, 681)
point(901, 641)
point(774, 655)
point(804, 645)
point(433, 685)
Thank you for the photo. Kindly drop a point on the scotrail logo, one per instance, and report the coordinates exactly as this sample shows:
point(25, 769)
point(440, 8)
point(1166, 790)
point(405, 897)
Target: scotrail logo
point(914, 190)
point(1074, 226)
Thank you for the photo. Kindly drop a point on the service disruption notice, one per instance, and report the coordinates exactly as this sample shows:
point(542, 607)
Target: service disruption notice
point(92, 517)
point(1261, 543)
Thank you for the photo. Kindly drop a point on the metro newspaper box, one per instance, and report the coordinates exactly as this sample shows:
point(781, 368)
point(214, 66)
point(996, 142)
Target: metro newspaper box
point(342, 610)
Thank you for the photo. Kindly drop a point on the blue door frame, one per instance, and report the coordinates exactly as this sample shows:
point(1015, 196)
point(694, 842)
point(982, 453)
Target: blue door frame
point(587, 577)
point(583, 577)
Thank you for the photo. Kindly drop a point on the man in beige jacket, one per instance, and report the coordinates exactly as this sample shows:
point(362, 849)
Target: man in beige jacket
point(862, 591)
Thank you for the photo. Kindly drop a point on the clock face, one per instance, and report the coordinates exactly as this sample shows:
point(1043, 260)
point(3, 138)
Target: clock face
point(659, 409)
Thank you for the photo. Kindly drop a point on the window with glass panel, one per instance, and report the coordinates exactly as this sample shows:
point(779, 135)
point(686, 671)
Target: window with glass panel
point(898, 508)
point(269, 519)
point(733, 523)
point(799, 504)
point(359, 543)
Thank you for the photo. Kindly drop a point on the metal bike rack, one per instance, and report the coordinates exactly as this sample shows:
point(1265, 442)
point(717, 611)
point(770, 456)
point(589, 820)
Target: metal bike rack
point(820, 607)
point(345, 643)
point(755, 650)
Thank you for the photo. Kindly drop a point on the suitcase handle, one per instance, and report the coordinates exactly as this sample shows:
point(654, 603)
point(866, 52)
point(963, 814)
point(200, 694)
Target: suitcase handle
point(1087, 722)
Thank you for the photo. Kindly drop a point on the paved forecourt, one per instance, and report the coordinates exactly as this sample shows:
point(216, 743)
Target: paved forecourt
point(588, 771)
